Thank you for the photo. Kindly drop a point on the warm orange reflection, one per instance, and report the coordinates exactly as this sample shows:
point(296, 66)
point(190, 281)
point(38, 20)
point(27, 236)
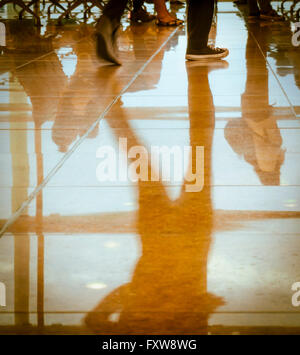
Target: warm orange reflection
point(168, 289)
point(256, 136)
point(154, 257)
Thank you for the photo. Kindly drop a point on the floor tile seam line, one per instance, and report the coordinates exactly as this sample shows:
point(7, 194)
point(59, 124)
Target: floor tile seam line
point(134, 233)
point(37, 58)
point(213, 186)
point(275, 76)
point(43, 56)
point(140, 129)
point(40, 57)
point(29, 62)
point(95, 312)
point(220, 128)
point(55, 169)
point(33, 60)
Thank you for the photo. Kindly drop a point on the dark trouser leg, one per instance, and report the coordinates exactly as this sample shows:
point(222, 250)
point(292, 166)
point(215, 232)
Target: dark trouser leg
point(200, 15)
point(137, 4)
point(106, 30)
point(265, 5)
point(253, 7)
point(114, 9)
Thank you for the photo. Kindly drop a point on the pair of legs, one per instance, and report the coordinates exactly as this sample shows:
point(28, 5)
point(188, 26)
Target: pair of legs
point(260, 8)
point(139, 14)
point(255, 6)
point(199, 19)
point(263, 9)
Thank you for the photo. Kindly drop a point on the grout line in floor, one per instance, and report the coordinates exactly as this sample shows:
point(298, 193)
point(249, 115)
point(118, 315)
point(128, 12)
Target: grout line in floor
point(55, 169)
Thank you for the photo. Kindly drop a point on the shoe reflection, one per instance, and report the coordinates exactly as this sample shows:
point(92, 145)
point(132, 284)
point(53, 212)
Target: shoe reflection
point(168, 289)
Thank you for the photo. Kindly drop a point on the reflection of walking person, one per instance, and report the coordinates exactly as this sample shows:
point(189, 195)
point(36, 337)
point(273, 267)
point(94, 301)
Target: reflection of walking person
point(200, 15)
point(256, 136)
point(168, 291)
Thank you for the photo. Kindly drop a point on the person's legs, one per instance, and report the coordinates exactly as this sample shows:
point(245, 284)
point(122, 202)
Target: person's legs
point(114, 10)
point(263, 11)
point(199, 14)
point(164, 18)
point(106, 30)
point(137, 4)
point(253, 8)
point(265, 6)
point(139, 12)
point(267, 12)
point(199, 20)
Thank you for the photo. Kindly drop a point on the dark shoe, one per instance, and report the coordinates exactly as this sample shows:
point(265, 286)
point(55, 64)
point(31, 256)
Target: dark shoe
point(254, 16)
point(141, 16)
point(207, 53)
point(106, 37)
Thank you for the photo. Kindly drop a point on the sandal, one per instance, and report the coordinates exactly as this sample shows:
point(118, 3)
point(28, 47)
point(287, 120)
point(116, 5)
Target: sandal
point(175, 22)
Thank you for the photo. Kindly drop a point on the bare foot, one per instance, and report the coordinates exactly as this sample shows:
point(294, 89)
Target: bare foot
point(166, 17)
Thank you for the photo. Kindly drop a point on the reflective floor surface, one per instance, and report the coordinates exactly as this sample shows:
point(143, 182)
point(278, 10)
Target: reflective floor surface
point(212, 247)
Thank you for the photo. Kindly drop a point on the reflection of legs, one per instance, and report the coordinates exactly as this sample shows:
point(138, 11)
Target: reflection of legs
point(253, 60)
point(202, 123)
point(155, 300)
point(260, 140)
point(202, 116)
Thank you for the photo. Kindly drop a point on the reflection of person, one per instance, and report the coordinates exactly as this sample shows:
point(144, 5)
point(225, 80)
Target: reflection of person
point(42, 80)
point(168, 289)
point(256, 136)
point(23, 36)
point(200, 15)
point(83, 99)
point(287, 58)
point(294, 60)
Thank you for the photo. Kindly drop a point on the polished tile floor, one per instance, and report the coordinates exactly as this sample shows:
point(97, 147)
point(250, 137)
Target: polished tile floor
point(80, 255)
